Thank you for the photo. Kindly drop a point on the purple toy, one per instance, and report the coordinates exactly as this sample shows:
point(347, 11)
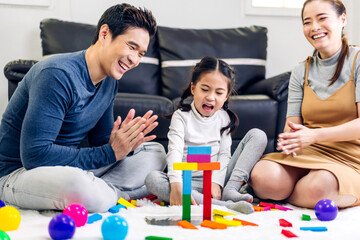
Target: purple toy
point(326, 210)
point(78, 213)
point(2, 204)
point(61, 227)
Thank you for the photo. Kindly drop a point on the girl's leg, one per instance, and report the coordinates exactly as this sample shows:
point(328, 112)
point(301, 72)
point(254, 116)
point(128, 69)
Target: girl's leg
point(54, 188)
point(271, 180)
point(157, 182)
point(246, 155)
point(128, 175)
point(317, 185)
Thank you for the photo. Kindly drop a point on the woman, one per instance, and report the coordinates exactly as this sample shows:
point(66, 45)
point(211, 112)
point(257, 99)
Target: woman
point(321, 141)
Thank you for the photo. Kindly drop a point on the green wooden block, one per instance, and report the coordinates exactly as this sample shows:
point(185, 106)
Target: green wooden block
point(186, 207)
point(305, 217)
point(157, 238)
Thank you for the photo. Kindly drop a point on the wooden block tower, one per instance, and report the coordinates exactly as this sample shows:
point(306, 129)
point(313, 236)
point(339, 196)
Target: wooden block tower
point(198, 158)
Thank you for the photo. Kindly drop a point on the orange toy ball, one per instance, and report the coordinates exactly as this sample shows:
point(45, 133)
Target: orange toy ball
point(9, 218)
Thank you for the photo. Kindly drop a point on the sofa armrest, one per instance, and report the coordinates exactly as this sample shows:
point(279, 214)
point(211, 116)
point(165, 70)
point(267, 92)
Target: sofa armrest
point(15, 70)
point(275, 87)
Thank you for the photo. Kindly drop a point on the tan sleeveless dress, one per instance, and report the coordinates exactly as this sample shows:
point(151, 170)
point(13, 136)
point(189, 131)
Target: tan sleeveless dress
point(340, 158)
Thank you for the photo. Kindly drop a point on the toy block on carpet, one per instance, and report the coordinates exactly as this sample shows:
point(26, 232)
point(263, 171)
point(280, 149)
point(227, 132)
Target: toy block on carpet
point(186, 224)
point(288, 234)
point(213, 225)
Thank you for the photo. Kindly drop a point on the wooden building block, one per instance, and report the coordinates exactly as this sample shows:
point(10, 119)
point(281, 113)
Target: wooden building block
point(227, 222)
point(186, 224)
point(198, 158)
point(186, 182)
point(222, 213)
point(207, 195)
point(213, 225)
point(198, 150)
point(186, 207)
point(125, 203)
point(208, 166)
point(246, 223)
point(185, 166)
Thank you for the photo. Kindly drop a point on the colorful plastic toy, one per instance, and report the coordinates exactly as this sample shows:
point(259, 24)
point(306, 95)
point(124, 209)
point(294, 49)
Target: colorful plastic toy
point(4, 236)
point(114, 228)
point(9, 218)
point(78, 213)
point(326, 210)
point(284, 223)
point(288, 234)
point(2, 204)
point(314, 229)
point(61, 227)
point(94, 218)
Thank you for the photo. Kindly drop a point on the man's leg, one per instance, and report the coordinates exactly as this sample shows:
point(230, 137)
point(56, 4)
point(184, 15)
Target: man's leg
point(157, 182)
point(54, 188)
point(128, 175)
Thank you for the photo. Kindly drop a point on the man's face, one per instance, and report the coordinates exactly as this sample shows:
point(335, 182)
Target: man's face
point(124, 52)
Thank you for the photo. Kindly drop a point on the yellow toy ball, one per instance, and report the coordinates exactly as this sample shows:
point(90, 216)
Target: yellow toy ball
point(9, 218)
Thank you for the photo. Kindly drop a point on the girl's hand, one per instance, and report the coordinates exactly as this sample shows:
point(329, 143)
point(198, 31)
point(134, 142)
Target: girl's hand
point(175, 193)
point(215, 191)
point(297, 138)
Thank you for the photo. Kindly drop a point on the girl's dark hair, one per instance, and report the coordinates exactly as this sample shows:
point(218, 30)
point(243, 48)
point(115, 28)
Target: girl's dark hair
point(121, 17)
point(209, 64)
point(340, 9)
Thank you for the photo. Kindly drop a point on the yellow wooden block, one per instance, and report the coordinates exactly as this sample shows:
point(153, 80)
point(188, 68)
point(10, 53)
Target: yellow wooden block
point(133, 202)
point(227, 222)
point(222, 213)
point(273, 209)
point(185, 166)
point(125, 203)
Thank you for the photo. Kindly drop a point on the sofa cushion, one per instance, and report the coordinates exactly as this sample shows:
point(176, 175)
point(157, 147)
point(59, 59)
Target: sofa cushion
point(180, 49)
point(59, 36)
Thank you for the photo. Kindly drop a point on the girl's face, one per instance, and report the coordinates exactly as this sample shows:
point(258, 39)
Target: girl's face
point(210, 92)
point(323, 27)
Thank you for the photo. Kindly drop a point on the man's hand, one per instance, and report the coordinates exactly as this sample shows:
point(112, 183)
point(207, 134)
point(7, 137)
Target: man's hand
point(126, 136)
point(215, 191)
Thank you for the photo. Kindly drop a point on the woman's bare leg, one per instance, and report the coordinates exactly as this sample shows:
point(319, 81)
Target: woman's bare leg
point(317, 185)
point(271, 180)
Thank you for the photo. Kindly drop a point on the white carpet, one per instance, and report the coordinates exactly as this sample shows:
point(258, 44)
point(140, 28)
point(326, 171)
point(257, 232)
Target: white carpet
point(34, 225)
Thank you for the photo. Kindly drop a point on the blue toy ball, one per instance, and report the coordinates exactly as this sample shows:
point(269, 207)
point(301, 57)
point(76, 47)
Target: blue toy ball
point(114, 228)
point(326, 210)
point(61, 227)
point(2, 204)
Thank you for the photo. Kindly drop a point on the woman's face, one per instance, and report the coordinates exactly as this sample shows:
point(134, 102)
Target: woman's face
point(323, 27)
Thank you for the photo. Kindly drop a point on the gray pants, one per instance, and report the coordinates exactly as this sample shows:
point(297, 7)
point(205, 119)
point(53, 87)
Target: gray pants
point(97, 190)
point(246, 155)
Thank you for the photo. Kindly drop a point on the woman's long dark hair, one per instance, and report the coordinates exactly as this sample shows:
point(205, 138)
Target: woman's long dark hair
point(209, 64)
point(340, 9)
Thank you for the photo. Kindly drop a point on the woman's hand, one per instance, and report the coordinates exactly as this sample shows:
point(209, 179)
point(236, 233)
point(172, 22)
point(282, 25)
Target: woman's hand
point(215, 191)
point(297, 138)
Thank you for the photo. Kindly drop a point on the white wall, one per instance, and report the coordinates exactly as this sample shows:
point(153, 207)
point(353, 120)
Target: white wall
point(286, 44)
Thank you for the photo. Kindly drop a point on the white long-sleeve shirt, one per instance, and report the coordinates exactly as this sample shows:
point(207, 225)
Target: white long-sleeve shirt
point(192, 129)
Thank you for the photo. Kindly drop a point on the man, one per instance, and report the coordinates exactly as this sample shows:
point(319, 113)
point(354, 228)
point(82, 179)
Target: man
point(69, 97)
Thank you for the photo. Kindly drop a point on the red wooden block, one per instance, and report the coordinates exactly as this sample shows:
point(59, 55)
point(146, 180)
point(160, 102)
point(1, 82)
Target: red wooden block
point(285, 223)
point(288, 234)
point(207, 195)
point(264, 204)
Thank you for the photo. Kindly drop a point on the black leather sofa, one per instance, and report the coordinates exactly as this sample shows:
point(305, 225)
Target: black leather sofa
point(165, 70)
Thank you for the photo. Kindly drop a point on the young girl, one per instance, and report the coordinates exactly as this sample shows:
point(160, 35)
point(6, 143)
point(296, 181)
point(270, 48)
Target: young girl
point(321, 139)
point(208, 121)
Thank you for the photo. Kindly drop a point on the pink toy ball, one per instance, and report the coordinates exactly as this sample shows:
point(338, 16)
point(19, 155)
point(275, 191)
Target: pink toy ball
point(78, 213)
point(326, 210)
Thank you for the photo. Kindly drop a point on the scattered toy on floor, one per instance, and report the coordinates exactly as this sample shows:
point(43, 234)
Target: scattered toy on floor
point(114, 227)
point(61, 227)
point(326, 210)
point(10, 218)
point(78, 213)
point(4, 236)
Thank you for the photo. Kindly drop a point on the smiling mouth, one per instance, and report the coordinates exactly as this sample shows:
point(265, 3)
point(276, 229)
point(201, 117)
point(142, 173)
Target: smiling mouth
point(318, 36)
point(123, 66)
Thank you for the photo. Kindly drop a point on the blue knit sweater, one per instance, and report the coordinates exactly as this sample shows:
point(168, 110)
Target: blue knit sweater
point(53, 109)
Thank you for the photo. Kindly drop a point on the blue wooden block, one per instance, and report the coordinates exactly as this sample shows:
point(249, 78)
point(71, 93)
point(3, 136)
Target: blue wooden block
point(116, 208)
point(314, 229)
point(93, 218)
point(186, 182)
point(198, 150)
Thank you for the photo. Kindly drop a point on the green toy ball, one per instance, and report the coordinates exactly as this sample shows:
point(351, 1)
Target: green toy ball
point(4, 235)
